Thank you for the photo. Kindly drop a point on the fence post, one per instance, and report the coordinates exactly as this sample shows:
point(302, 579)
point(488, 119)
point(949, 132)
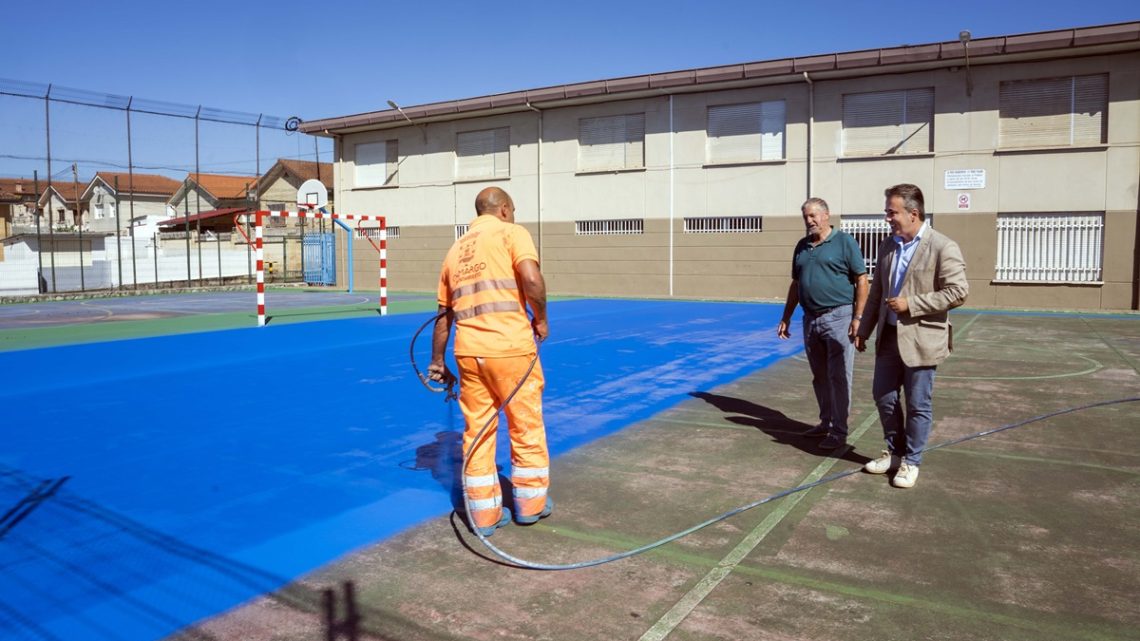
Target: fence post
point(349, 625)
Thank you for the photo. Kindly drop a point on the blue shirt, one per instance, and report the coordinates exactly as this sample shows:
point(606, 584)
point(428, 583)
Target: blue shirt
point(904, 252)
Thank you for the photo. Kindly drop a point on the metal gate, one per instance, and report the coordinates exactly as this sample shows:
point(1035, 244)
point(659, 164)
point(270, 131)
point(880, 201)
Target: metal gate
point(319, 251)
point(870, 231)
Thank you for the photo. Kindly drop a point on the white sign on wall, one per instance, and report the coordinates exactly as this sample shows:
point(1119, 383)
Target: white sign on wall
point(964, 202)
point(965, 179)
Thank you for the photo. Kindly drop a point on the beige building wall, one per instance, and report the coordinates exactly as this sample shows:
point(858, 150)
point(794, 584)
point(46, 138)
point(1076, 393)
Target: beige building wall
point(283, 190)
point(192, 201)
point(677, 181)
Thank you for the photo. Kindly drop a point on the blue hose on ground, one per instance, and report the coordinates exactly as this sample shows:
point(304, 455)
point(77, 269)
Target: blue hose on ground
point(531, 565)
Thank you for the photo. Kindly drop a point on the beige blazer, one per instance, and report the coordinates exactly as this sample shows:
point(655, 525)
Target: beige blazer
point(935, 283)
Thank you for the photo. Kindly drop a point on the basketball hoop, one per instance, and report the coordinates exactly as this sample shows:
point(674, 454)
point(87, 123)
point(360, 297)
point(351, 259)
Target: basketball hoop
point(312, 195)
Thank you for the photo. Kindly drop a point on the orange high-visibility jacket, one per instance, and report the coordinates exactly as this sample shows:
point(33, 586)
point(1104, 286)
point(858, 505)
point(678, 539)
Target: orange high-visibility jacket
point(478, 282)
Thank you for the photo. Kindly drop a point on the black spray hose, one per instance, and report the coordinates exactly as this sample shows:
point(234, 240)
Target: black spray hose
point(467, 451)
point(522, 563)
point(449, 385)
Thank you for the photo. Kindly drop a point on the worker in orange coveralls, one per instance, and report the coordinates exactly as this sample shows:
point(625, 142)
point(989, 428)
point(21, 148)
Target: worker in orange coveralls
point(487, 279)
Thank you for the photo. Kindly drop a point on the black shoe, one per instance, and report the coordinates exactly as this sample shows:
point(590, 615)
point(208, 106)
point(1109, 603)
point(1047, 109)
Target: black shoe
point(833, 442)
point(818, 430)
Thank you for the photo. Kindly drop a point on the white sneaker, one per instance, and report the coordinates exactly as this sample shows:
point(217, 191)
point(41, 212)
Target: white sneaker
point(881, 464)
point(906, 476)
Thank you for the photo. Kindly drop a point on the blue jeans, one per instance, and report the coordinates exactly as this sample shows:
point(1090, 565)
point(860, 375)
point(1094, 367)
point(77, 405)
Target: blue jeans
point(831, 355)
point(906, 432)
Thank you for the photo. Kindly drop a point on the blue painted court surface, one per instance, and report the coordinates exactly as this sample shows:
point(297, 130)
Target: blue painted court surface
point(208, 468)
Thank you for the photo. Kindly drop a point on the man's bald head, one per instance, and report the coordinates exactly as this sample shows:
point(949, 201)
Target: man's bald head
point(496, 202)
point(490, 199)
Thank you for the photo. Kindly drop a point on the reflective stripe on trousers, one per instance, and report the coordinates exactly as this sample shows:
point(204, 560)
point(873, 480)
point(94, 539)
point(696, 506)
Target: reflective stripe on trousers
point(484, 383)
point(530, 485)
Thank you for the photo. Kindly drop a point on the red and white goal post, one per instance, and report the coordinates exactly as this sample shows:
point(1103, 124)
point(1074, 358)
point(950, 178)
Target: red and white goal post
point(382, 248)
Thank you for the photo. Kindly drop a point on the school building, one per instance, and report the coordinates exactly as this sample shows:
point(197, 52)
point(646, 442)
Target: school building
point(688, 183)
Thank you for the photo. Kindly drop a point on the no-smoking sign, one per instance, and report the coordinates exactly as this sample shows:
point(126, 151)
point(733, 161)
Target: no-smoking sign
point(963, 202)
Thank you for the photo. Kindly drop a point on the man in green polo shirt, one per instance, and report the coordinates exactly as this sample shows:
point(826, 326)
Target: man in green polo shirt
point(829, 279)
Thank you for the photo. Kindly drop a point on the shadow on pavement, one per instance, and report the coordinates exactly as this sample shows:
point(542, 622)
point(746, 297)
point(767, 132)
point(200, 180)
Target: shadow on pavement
point(777, 425)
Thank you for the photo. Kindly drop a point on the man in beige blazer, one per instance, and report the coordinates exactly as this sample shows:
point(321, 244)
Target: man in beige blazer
point(919, 277)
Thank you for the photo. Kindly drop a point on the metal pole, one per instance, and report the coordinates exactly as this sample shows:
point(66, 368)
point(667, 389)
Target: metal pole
point(257, 170)
point(218, 243)
point(248, 244)
point(672, 166)
point(40, 286)
point(51, 227)
point(186, 208)
point(131, 187)
point(118, 235)
point(198, 202)
point(257, 145)
point(78, 222)
point(317, 155)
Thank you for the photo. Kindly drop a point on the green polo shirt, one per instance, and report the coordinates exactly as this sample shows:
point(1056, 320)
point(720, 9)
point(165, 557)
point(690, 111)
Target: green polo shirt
point(826, 273)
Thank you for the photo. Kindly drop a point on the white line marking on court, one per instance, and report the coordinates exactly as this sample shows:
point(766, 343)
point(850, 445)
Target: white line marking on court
point(666, 624)
point(107, 313)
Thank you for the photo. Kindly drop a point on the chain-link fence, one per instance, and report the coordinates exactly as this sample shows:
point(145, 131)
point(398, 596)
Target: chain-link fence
point(101, 191)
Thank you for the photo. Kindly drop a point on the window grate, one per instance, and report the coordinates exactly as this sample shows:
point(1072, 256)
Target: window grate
point(609, 227)
point(724, 225)
point(374, 232)
point(1050, 248)
point(870, 231)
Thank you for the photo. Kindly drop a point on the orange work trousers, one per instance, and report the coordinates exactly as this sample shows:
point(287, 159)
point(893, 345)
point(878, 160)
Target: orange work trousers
point(484, 383)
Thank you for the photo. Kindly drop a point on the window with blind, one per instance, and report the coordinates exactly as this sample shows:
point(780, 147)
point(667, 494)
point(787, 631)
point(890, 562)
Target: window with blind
point(1053, 112)
point(376, 164)
point(611, 142)
point(888, 123)
point(748, 132)
point(483, 154)
point(1050, 248)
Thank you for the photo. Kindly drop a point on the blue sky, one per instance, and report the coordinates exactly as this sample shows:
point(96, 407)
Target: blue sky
point(334, 58)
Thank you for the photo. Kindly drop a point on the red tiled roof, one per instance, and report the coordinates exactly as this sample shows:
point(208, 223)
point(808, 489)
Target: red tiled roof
point(143, 183)
point(223, 186)
point(16, 189)
point(307, 170)
point(65, 190)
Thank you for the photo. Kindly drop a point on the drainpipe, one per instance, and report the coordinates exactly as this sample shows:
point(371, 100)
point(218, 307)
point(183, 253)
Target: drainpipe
point(671, 137)
point(538, 177)
point(348, 235)
point(338, 163)
point(1135, 264)
point(811, 130)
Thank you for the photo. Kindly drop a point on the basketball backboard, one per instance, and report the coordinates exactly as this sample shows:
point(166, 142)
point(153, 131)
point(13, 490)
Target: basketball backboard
point(312, 194)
